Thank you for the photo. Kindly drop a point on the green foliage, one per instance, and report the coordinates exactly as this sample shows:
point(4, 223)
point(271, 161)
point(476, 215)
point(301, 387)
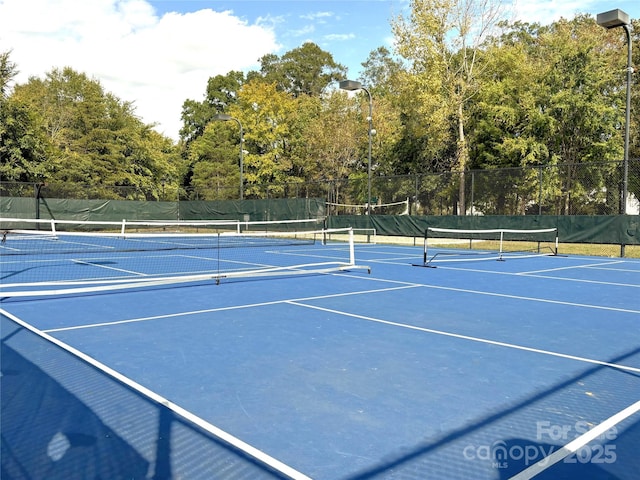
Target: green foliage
point(66, 131)
point(23, 145)
point(8, 71)
point(214, 162)
point(306, 70)
point(221, 94)
point(266, 114)
point(450, 98)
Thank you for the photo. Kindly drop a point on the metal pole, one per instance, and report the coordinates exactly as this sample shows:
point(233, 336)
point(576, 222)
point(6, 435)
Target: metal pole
point(625, 177)
point(613, 19)
point(352, 85)
point(241, 160)
point(369, 154)
point(625, 167)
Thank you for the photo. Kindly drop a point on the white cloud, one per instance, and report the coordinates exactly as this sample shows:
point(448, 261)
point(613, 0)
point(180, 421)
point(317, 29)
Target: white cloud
point(548, 11)
point(339, 36)
point(155, 62)
point(301, 32)
point(317, 16)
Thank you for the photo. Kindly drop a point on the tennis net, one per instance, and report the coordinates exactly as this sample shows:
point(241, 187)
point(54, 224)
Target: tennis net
point(446, 245)
point(393, 208)
point(57, 257)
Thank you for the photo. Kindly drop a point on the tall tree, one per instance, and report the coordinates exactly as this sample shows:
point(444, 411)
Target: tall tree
point(8, 71)
point(442, 40)
point(305, 70)
point(380, 71)
point(266, 115)
point(549, 97)
point(221, 93)
point(582, 102)
point(95, 139)
point(23, 144)
point(331, 146)
point(213, 158)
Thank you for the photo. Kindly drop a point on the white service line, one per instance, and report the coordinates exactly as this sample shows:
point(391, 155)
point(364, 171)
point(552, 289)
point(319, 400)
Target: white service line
point(546, 277)
point(577, 443)
point(106, 267)
point(222, 309)
point(468, 337)
point(570, 267)
point(533, 299)
point(249, 450)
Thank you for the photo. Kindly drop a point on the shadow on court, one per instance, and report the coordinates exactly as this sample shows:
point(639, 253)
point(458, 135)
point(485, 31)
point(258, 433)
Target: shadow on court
point(62, 418)
point(512, 439)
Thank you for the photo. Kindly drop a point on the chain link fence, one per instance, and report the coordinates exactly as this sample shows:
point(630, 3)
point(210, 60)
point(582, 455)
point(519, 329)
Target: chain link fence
point(565, 189)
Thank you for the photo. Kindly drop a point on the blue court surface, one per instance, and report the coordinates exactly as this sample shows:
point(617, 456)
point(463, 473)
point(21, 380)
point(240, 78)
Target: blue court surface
point(524, 368)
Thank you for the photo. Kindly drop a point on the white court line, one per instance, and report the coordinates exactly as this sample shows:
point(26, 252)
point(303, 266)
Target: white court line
point(629, 270)
point(533, 273)
point(582, 280)
point(468, 337)
point(106, 267)
point(546, 277)
point(570, 267)
point(260, 456)
point(222, 309)
point(577, 443)
point(395, 260)
point(402, 285)
point(534, 299)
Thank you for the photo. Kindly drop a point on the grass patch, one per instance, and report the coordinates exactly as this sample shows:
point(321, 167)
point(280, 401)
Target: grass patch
point(590, 249)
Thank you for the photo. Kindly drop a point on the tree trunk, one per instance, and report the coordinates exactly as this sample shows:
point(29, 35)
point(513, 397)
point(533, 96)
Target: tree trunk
point(463, 158)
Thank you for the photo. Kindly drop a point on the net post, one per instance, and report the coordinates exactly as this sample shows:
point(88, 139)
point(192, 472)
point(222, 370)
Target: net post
point(324, 231)
point(53, 226)
point(425, 247)
point(352, 251)
point(122, 229)
point(218, 248)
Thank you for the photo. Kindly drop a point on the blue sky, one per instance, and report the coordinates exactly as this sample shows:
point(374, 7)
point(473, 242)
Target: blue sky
point(348, 29)
point(158, 53)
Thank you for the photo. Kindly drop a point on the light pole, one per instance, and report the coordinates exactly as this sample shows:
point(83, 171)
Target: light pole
point(352, 85)
point(224, 117)
point(613, 19)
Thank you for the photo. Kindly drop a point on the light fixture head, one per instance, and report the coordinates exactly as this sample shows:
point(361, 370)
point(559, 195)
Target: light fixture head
point(613, 18)
point(350, 85)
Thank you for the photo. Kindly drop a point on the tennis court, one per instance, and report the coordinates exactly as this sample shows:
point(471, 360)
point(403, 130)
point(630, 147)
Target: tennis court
point(520, 368)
